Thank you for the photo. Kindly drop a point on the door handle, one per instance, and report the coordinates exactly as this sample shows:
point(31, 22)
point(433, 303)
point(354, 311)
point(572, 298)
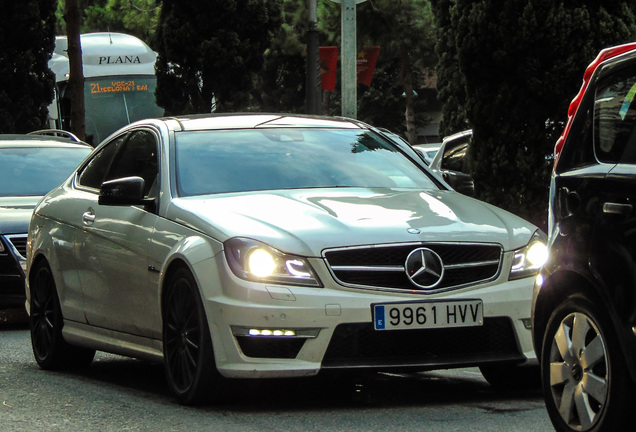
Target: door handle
point(617, 208)
point(88, 217)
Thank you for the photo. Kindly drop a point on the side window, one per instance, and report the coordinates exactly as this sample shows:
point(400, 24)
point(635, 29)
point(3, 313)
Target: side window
point(93, 174)
point(454, 158)
point(138, 157)
point(614, 114)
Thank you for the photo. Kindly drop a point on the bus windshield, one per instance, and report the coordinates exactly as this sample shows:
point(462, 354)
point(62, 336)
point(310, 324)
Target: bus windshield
point(113, 102)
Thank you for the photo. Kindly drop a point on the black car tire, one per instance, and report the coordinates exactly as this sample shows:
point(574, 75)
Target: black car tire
point(50, 350)
point(187, 345)
point(586, 384)
point(512, 377)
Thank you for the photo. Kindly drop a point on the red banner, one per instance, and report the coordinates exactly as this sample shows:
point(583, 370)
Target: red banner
point(328, 67)
point(366, 61)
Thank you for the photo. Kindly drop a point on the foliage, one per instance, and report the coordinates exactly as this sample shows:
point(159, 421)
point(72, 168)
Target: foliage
point(450, 83)
point(404, 29)
point(520, 63)
point(212, 49)
point(26, 43)
point(136, 17)
point(281, 85)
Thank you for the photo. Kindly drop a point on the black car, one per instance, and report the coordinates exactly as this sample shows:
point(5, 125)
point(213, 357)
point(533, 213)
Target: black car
point(584, 304)
point(30, 167)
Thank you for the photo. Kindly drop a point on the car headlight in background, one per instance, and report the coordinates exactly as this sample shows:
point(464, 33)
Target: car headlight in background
point(255, 261)
point(528, 260)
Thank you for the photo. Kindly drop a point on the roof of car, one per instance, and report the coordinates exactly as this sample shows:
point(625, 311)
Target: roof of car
point(248, 121)
point(26, 140)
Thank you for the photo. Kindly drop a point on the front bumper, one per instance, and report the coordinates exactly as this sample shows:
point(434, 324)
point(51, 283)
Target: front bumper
point(333, 328)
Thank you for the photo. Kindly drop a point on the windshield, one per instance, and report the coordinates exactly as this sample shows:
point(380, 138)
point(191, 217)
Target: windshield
point(35, 171)
point(209, 162)
point(113, 102)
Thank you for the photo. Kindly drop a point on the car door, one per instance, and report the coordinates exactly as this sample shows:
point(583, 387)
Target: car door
point(613, 249)
point(115, 242)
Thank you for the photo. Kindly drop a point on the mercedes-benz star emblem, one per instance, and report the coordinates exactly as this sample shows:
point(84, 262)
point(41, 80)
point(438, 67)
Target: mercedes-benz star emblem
point(424, 268)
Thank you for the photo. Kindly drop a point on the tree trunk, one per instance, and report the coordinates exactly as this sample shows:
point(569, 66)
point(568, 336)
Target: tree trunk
point(406, 77)
point(76, 71)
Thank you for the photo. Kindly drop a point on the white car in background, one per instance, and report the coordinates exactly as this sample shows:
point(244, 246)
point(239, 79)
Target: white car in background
point(254, 246)
point(428, 151)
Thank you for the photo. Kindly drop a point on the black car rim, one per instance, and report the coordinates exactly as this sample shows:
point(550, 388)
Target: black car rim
point(43, 313)
point(182, 335)
point(579, 374)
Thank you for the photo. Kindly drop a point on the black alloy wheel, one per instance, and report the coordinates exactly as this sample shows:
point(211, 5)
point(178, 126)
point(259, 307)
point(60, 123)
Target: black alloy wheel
point(585, 380)
point(187, 345)
point(50, 349)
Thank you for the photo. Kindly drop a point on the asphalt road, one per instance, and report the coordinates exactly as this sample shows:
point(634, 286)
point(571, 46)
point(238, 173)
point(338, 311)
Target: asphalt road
point(122, 394)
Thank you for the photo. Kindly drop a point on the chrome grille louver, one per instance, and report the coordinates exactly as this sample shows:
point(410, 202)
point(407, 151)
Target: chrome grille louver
point(383, 266)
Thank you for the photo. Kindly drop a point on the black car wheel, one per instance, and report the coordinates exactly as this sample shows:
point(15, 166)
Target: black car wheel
point(585, 380)
point(187, 345)
point(50, 349)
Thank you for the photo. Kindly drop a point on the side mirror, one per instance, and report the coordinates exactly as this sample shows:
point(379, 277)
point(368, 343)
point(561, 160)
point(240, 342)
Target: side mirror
point(460, 182)
point(122, 192)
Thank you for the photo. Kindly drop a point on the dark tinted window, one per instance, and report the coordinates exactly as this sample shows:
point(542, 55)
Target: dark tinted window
point(614, 114)
point(454, 158)
point(94, 172)
point(138, 157)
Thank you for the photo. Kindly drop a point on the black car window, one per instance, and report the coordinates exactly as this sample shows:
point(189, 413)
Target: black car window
point(614, 114)
point(94, 172)
point(454, 158)
point(137, 157)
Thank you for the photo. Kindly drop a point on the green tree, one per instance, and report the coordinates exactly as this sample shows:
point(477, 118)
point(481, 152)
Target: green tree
point(209, 52)
point(405, 31)
point(521, 62)
point(281, 85)
point(26, 44)
point(450, 82)
point(135, 17)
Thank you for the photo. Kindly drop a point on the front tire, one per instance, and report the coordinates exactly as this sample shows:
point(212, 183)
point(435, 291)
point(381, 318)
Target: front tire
point(50, 350)
point(586, 384)
point(187, 345)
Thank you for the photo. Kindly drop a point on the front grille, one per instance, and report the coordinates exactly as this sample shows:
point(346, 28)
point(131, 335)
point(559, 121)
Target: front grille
point(19, 242)
point(360, 345)
point(383, 266)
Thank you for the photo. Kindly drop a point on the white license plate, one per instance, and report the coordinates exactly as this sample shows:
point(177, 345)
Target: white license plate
point(423, 315)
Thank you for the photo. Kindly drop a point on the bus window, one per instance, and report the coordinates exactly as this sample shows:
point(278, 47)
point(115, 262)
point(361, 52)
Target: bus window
point(112, 102)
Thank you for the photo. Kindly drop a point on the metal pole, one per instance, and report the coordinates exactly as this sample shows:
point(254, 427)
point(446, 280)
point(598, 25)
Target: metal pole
point(348, 59)
point(313, 84)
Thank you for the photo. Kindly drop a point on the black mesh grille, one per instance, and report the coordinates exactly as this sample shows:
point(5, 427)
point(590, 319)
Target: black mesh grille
point(463, 264)
point(361, 345)
point(263, 347)
point(19, 241)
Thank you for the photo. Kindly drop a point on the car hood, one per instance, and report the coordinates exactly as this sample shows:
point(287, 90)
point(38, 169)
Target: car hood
point(305, 222)
point(15, 214)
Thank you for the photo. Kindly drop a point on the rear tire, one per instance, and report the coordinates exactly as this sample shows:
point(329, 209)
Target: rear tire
point(187, 345)
point(585, 379)
point(50, 350)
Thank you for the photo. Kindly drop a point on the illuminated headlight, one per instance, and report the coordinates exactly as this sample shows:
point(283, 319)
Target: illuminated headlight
point(528, 260)
point(255, 261)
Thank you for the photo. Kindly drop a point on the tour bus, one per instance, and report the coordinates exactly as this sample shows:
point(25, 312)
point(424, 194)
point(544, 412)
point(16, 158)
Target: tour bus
point(119, 88)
